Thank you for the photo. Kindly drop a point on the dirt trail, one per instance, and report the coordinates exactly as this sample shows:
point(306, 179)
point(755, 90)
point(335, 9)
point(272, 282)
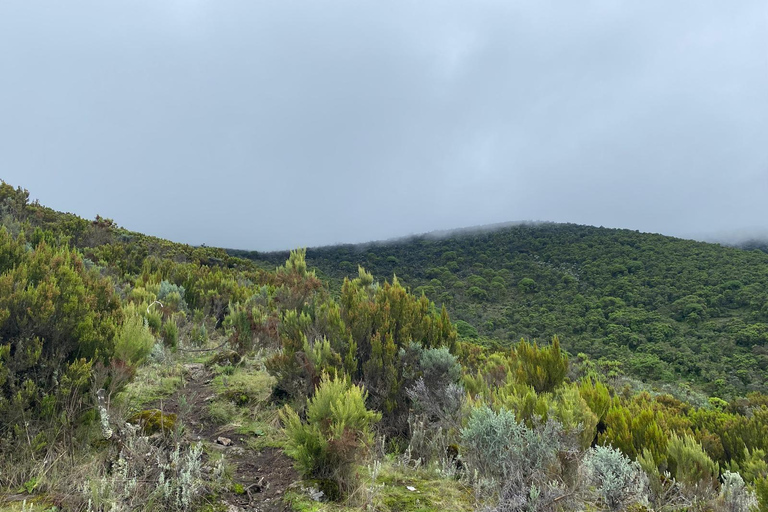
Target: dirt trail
point(265, 475)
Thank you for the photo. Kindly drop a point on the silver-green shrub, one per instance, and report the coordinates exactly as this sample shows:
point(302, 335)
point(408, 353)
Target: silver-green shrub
point(616, 481)
point(496, 445)
point(734, 494)
point(521, 465)
point(172, 295)
point(149, 474)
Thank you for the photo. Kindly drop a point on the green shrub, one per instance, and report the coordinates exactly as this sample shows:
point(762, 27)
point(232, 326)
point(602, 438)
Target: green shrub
point(172, 296)
point(154, 320)
point(465, 329)
point(337, 430)
point(170, 333)
point(439, 367)
point(596, 394)
point(198, 335)
point(134, 340)
point(57, 319)
point(689, 463)
point(544, 368)
point(761, 490)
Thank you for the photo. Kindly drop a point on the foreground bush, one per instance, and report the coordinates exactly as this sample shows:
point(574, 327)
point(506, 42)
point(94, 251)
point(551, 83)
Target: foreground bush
point(617, 481)
point(150, 474)
point(334, 437)
point(57, 319)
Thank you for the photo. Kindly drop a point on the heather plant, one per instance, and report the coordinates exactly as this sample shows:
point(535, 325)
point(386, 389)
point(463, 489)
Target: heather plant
point(369, 335)
point(134, 340)
point(761, 491)
point(753, 464)
point(690, 464)
point(170, 333)
point(543, 368)
point(664, 492)
point(335, 435)
point(57, 319)
point(597, 397)
point(382, 320)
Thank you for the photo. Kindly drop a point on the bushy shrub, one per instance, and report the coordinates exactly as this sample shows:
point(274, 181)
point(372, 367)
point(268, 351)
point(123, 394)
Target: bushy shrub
point(333, 438)
point(238, 325)
point(487, 439)
point(436, 397)
point(198, 335)
point(496, 445)
point(734, 495)
point(465, 329)
point(134, 340)
point(526, 467)
point(689, 463)
point(761, 490)
point(440, 406)
point(56, 320)
point(151, 475)
point(596, 394)
point(170, 333)
point(172, 296)
point(439, 367)
point(616, 480)
point(544, 368)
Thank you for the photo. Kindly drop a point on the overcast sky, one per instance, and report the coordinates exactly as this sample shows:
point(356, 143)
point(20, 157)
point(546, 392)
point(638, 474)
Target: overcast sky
point(270, 125)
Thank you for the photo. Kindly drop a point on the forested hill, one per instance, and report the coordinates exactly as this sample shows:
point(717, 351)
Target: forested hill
point(664, 308)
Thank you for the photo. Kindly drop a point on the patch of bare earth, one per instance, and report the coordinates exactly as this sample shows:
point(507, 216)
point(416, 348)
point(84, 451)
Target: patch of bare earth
point(264, 475)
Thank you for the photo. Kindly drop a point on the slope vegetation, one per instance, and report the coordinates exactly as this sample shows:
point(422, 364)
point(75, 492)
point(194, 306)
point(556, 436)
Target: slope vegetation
point(657, 307)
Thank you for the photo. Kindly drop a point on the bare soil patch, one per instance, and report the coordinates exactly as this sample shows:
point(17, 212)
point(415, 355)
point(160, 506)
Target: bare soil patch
point(263, 475)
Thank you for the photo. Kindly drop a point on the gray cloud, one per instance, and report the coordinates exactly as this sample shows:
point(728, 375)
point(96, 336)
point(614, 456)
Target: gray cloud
point(267, 125)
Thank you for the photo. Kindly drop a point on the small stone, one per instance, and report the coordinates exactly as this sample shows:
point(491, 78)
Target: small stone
point(412, 489)
point(225, 441)
point(194, 371)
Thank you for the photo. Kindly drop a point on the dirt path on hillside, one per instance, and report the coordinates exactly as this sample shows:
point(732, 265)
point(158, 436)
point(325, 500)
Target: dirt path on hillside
point(264, 475)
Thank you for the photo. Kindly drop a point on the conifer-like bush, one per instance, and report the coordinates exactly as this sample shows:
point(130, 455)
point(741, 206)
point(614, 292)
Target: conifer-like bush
point(689, 463)
point(134, 340)
point(57, 318)
point(334, 436)
point(544, 368)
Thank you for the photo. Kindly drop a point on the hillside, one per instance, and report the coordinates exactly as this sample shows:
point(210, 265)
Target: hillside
point(665, 308)
point(141, 374)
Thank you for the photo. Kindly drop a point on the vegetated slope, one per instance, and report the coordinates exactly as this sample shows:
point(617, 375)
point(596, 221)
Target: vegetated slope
point(465, 424)
point(666, 308)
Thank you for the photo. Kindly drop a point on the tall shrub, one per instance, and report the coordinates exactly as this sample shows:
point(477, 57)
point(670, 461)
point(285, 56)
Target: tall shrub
point(334, 436)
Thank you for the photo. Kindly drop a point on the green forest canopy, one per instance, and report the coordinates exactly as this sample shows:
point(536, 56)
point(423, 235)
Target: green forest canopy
point(665, 308)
